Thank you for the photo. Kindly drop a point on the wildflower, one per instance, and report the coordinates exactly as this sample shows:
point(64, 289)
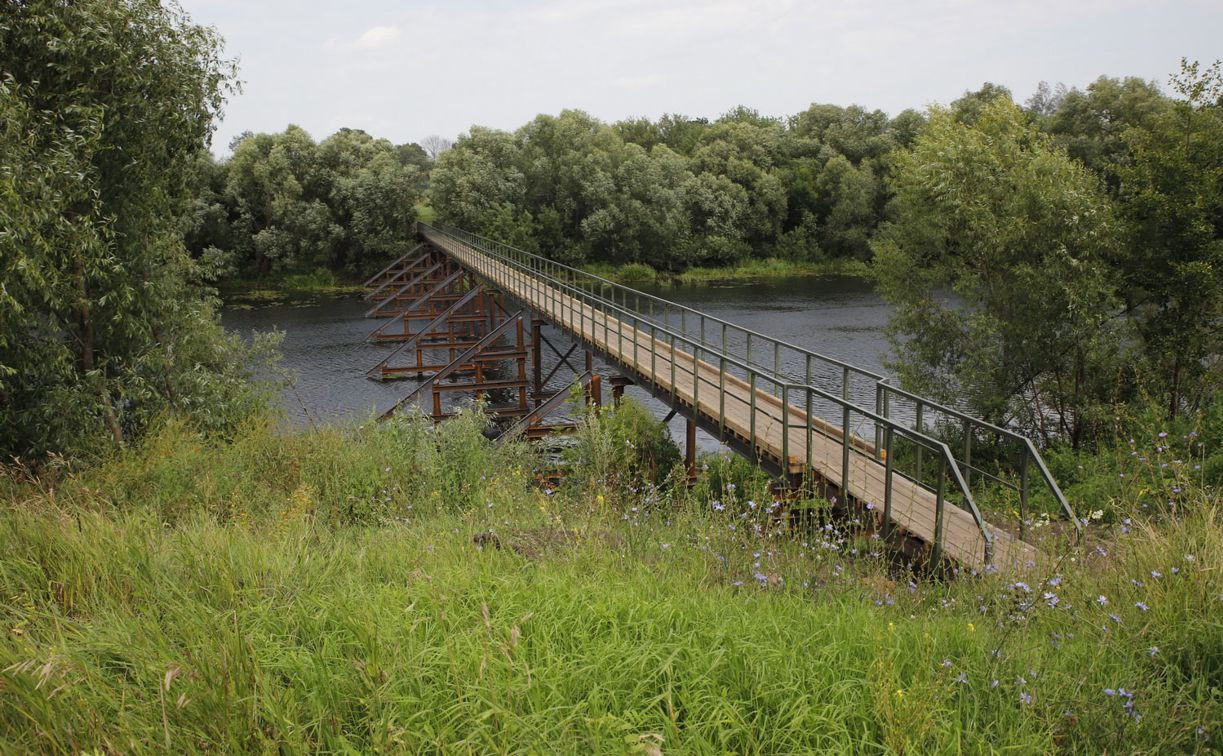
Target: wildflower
point(751, 504)
point(1055, 581)
point(1189, 557)
point(737, 583)
point(962, 678)
point(1102, 600)
point(946, 664)
point(870, 506)
point(1051, 599)
point(993, 684)
point(666, 546)
point(1114, 618)
point(1153, 651)
point(719, 506)
point(1022, 587)
point(730, 487)
point(1141, 606)
point(1156, 574)
point(972, 628)
point(1025, 698)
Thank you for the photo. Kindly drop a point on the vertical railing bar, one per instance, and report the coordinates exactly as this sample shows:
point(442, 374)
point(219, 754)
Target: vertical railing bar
point(887, 483)
point(845, 454)
point(938, 508)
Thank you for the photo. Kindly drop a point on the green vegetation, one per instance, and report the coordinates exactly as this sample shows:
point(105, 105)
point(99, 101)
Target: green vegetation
point(178, 574)
point(399, 587)
point(104, 324)
point(1073, 297)
point(772, 267)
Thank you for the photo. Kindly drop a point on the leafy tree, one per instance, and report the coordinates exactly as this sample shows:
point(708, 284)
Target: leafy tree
point(1092, 124)
point(1172, 270)
point(1020, 235)
point(478, 186)
point(968, 108)
point(105, 110)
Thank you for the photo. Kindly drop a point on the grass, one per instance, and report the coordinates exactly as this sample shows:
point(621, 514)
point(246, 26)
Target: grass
point(751, 270)
point(394, 587)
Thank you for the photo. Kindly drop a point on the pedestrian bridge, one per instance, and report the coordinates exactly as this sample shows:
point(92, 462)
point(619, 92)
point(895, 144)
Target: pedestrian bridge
point(804, 416)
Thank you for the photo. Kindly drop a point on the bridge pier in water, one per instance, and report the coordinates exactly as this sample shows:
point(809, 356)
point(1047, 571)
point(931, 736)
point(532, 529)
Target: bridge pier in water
point(804, 417)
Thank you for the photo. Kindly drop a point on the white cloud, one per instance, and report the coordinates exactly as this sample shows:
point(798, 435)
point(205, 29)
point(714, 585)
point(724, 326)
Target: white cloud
point(377, 36)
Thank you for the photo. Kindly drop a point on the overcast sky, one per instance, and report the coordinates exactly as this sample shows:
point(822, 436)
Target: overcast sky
point(405, 70)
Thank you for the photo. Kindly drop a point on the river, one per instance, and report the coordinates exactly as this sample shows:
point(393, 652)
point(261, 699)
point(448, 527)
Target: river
point(325, 349)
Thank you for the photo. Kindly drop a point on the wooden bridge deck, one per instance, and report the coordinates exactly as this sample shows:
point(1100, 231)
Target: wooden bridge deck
point(913, 506)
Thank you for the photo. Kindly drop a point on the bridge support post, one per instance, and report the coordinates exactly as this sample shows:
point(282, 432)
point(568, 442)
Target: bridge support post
point(618, 383)
point(690, 448)
point(594, 392)
point(536, 364)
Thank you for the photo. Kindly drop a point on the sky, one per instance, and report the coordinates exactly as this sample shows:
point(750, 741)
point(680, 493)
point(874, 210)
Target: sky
point(408, 70)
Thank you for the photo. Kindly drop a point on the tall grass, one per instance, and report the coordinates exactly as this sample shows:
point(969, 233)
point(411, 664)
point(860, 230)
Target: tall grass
point(399, 587)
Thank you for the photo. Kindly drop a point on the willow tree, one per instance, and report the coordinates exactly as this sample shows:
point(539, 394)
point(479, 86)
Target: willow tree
point(996, 258)
point(104, 107)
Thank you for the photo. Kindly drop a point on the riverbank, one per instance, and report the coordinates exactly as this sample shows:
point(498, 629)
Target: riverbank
point(289, 286)
point(398, 588)
point(768, 269)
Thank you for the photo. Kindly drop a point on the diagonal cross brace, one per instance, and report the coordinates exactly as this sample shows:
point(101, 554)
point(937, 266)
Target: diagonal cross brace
point(373, 311)
point(387, 269)
point(457, 362)
point(438, 288)
point(433, 324)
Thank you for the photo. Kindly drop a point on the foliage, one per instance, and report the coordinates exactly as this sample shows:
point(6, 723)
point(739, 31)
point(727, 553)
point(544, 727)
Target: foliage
point(1172, 268)
point(1020, 233)
point(282, 203)
point(678, 192)
point(320, 592)
point(105, 108)
point(624, 445)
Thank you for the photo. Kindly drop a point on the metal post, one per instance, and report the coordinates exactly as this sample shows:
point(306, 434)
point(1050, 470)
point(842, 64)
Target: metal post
point(845, 454)
point(752, 410)
point(785, 429)
point(1023, 496)
point(938, 507)
point(536, 362)
point(887, 483)
point(967, 454)
point(690, 450)
point(878, 411)
point(920, 446)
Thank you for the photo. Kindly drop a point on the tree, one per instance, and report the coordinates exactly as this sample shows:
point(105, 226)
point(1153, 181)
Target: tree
point(105, 109)
point(1173, 267)
point(1092, 124)
point(1020, 234)
point(434, 145)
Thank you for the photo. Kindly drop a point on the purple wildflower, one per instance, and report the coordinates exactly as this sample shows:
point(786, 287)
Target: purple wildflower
point(1142, 606)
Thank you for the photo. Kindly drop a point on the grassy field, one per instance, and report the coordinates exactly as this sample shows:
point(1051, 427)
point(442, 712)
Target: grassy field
point(397, 588)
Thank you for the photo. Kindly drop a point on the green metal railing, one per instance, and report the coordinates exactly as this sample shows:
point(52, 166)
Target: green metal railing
point(823, 386)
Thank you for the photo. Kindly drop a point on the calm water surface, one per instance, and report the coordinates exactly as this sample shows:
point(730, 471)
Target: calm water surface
point(324, 340)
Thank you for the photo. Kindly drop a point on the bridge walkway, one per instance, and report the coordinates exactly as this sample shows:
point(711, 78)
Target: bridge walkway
point(762, 413)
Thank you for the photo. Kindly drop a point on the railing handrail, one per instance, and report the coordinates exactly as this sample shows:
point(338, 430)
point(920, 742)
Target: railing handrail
point(450, 231)
point(930, 443)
